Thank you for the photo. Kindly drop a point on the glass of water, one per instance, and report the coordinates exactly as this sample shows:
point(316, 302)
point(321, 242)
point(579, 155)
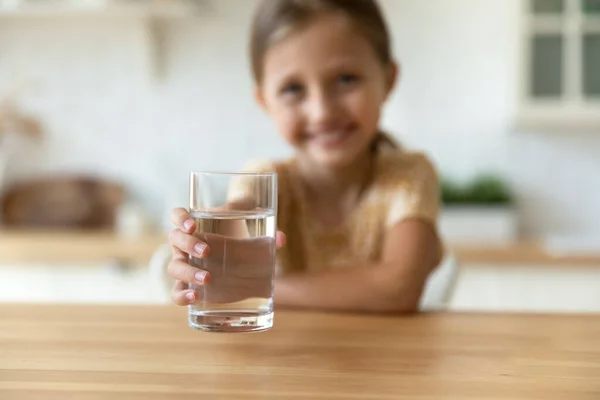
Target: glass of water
point(235, 214)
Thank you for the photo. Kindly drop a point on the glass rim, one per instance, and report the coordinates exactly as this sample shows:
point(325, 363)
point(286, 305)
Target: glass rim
point(223, 173)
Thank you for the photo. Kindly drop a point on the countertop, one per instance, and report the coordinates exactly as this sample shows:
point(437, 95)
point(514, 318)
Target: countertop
point(122, 352)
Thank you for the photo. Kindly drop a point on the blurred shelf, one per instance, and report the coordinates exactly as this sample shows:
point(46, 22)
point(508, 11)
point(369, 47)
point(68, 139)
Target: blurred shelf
point(111, 8)
point(560, 118)
point(155, 14)
point(524, 253)
point(25, 246)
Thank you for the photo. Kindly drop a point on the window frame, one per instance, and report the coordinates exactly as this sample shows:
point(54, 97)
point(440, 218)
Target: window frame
point(573, 110)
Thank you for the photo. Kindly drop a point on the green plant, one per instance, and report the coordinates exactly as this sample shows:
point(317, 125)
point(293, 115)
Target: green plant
point(487, 189)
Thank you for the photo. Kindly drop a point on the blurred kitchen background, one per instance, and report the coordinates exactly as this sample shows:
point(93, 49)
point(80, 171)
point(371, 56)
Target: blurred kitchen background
point(106, 105)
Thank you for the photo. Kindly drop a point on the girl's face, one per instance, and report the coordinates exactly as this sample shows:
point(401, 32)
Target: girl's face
point(324, 87)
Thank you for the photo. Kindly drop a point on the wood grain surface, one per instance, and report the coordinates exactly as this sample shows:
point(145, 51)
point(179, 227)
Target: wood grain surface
point(56, 246)
point(118, 353)
point(523, 253)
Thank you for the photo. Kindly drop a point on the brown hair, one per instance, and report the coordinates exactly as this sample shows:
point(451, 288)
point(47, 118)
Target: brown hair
point(275, 19)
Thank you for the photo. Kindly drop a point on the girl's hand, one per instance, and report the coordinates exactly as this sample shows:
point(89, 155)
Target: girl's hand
point(207, 249)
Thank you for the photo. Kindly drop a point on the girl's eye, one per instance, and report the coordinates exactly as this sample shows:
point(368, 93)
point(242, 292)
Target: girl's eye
point(293, 89)
point(347, 79)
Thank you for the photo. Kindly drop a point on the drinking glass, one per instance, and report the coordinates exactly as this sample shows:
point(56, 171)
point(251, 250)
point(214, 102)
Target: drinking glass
point(235, 215)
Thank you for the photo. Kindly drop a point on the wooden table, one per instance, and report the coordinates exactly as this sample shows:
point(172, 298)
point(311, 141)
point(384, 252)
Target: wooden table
point(96, 353)
point(523, 253)
point(56, 246)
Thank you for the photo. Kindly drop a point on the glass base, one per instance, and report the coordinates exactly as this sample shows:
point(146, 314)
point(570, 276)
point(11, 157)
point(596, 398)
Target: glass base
point(230, 321)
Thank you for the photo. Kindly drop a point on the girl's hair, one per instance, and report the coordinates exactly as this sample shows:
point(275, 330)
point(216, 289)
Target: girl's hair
point(276, 19)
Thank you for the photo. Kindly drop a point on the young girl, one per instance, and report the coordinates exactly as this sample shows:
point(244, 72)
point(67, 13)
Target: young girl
point(359, 214)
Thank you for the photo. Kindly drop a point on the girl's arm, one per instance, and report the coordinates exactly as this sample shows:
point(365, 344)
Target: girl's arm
point(412, 249)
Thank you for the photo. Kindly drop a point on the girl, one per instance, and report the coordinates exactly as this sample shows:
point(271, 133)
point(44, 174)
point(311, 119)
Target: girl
point(359, 214)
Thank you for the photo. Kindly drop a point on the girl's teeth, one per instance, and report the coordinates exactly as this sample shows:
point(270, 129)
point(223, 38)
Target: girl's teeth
point(331, 138)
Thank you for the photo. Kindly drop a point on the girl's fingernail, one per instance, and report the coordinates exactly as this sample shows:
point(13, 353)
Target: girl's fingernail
point(190, 296)
point(199, 248)
point(188, 224)
point(200, 276)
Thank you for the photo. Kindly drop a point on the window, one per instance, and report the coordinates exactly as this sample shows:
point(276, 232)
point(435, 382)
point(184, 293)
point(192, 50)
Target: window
point(561, 64)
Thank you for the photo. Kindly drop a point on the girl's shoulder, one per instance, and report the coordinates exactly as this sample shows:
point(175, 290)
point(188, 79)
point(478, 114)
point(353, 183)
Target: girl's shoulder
point(407, 184)
point(244, 185)
point(402, 168)
point(265, 165)
point(280, 167)
point(259, 166)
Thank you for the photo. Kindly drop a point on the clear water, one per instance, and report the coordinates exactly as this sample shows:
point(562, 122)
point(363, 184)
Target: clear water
point(241, 262)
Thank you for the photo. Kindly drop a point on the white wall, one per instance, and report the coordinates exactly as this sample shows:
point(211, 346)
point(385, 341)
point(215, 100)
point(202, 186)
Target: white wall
point(456, 100)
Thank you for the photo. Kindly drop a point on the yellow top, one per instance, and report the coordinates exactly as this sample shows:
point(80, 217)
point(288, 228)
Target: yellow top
point(405, 185)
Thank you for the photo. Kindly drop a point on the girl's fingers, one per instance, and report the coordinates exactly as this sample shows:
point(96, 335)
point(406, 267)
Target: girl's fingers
point(182, 271)
point(179, 254)
point(280, 239)
point(181, 219)
point(181, 295)
point(188, 243)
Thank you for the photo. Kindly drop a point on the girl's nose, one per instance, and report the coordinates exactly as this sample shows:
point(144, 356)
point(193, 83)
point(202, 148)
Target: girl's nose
point(322, 108)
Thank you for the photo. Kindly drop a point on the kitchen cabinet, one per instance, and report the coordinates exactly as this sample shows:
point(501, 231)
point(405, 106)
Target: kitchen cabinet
point(527, 278)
